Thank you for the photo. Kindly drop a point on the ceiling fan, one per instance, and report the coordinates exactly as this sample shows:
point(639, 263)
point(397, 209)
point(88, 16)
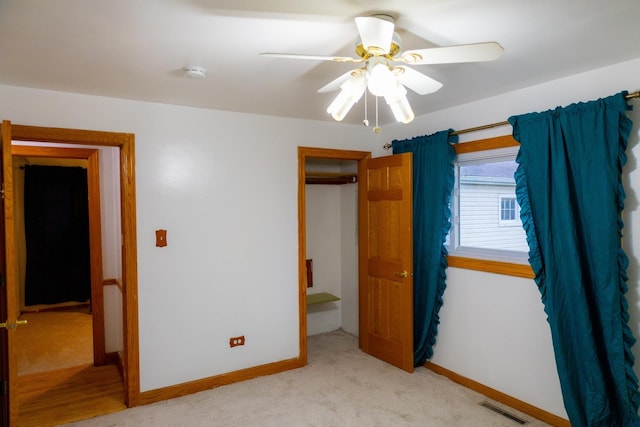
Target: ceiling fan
point(379, 50)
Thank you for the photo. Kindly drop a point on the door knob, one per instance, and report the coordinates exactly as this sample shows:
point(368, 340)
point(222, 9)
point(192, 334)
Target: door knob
point(6, 325)
point(402, 274)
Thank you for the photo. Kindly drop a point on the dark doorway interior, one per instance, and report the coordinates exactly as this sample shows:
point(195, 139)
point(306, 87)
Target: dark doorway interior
point(58, 267)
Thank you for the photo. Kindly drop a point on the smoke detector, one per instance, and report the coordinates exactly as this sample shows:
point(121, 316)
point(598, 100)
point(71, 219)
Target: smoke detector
point(195, 72)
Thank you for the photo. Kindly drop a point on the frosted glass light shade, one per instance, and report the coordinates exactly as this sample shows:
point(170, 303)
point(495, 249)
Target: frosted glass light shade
point(351, 93)
point(381, 80)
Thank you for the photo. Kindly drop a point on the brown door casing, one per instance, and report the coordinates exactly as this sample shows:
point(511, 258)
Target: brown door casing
point(305, 153)
point(125, 143)
point(4, 339)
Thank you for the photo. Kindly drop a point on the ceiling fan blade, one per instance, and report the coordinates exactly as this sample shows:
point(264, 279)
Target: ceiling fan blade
point(417, 82)
point(375, 33)
point(335, 84)
point(312, 57)
point(476, 52)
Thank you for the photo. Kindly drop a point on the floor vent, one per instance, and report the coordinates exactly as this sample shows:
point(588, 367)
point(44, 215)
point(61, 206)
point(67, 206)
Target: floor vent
point(502, 412)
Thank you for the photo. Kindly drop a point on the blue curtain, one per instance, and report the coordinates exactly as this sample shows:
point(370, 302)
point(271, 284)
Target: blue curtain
point(568, 185)
point(433, 179)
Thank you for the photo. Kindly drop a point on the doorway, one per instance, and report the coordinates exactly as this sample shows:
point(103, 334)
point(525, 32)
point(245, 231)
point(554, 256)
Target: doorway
point(78, 157)
point(306, 154)
point(128, 357)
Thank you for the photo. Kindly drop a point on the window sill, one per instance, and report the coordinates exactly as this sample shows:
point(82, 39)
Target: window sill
point(489, 266)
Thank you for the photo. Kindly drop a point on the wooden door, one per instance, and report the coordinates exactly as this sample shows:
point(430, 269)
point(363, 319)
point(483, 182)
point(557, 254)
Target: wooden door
point(4, 339)
point(386, 259)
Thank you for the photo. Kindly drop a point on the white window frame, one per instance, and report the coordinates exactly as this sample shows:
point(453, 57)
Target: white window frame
point(515, 222)
point(453, 246)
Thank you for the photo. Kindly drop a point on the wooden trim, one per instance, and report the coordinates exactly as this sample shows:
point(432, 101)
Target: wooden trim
point(363, 257)
point(95, 251)
point(303, 154)
point(11, 279)
point(302, 255)
point(129, 271)
point(61, 153)
point(68, 136)
point(115, 358)
point(196, 386)
point(490, 266)
point(116, 282)
point(125, 142)
point(498, 396)
point(503, 141)
point(332, 153)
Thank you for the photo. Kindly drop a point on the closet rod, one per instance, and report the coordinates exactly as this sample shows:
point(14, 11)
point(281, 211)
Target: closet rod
point(386, 146)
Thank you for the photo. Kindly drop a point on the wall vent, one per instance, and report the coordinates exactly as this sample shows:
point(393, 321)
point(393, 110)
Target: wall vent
point(502, 412)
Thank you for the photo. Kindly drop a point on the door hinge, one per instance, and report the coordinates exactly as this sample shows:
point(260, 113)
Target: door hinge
point(3, 389)
point(2, 191)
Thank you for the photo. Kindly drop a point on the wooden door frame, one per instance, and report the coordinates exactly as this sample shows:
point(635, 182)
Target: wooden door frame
point(126, 145)
point(305, 153)
point(95, 231)
point(5, 412)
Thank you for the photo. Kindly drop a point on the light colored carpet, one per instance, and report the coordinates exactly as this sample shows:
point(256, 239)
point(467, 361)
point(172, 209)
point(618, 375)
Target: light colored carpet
point(54, 340)
point(341, 386)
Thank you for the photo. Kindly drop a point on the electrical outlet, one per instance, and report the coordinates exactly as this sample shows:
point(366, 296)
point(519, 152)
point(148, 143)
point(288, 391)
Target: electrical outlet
point(235, 341)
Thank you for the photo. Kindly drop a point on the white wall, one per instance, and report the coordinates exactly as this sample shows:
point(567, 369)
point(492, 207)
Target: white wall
point(349, 250)
point(111, 246)
point(324, 228)
point(224, 186)
point(493, 328)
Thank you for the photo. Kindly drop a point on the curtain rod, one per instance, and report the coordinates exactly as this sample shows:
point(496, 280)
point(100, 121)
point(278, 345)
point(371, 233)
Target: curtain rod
point(386, 146)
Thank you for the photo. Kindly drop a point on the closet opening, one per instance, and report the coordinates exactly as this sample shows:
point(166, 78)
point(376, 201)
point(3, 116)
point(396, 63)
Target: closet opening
point(328, 234)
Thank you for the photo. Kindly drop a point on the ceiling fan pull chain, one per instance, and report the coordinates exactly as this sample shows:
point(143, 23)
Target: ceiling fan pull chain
point(366, 118)
point(377, 129)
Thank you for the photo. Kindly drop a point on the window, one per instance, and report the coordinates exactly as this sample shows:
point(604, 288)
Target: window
point(486, 221)
point(509, 211)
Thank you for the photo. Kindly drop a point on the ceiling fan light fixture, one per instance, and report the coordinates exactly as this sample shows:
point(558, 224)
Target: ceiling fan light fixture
point(378, 46)
point(351, 92)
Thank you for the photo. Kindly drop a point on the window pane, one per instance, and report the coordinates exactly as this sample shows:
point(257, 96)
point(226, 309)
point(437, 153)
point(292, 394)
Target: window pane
point(507, 208)
point(489, 216)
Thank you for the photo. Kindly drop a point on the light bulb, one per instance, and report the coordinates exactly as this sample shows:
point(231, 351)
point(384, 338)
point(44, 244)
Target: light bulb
point(351, 92)
point(381, 79)
point(399, 104)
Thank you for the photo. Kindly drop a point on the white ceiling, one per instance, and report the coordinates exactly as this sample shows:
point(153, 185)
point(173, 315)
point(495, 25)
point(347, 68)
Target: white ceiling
point(137, 49)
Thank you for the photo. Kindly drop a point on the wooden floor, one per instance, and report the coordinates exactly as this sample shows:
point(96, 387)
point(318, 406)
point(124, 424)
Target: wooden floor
point(56, 382)
point(67, 395)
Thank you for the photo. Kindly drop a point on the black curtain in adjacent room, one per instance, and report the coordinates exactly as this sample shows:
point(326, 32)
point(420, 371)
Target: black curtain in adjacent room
point(56, 217)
